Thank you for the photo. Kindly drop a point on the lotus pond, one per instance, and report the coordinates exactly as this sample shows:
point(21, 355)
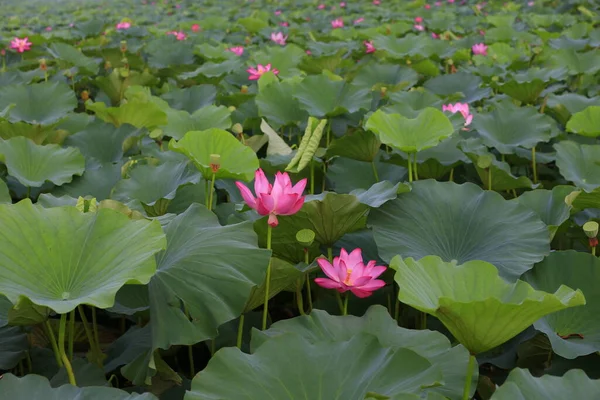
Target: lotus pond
point(299, 199)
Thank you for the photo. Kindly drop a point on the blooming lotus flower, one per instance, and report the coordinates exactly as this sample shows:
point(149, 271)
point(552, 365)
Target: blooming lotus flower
point(419, 27)
point(20, 45)
point(434, 35)
point(479, 49)
point(450, 1)
point(418, 20)
point(348, 272)
point(278, 38)
point(237, 50)
point(48, 29)
point(376, 2)
point(278, 12)
point(427, 6)
point(321, 6)
point(195, 28)
point(342, 4)
point(358, 21)
point(178, 35)
point(256, 73)
point(462, 108)
point(284, 24)
point(438, 3)
point(337, 23)
point(281, 198)
point(369, 46)
point(123, 25)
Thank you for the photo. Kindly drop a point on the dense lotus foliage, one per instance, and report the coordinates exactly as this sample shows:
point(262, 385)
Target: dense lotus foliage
point(299, 199)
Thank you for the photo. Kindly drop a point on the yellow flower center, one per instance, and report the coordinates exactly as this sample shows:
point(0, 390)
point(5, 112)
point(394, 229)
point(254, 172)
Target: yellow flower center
point(347, 280)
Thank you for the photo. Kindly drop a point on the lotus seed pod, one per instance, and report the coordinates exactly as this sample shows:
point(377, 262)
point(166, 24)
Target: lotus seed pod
point(231, 108)
point(244, 89)
point(43, 65)
point(215, 162)
point(237, 128)
point(305, 237)
point(123, 46)
point(85, 95)
point(591, 229)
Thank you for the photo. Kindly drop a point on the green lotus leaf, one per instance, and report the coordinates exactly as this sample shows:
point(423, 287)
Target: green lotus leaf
point(13, 346)
point(115, 86)
point(214, 70)
point(92, 27)
point(322, 97)
point(429, 128)
point(579, 163)
point(25, 313)
point(321, 327)
point(71, 55)
point(464, 83)
point(277, 103)
point(577, 62)
point(4, 193)
point(39, 104)
point(508, 127)
point(369, 367)
point(276, 145)
point(191, 99)
point(283, 276)
point(32, 165)
point(393, 77)
point(416, 99)
point(5, 306)
point(586, 122)
point(521, 385)
point(284, 58)
point(138, 113)
point(548, 205)
point(574, 269)
point(528, 86)
point(102, 141)
point(380, 193)
point(237, 161)
point(309, 145)
point(252, 25)
point(569, 103)
point(181, 122)
point(97, 181)
point(38, 387)
point(401, 48)
point(167, 52)
point(472, 300)
point(346, 175)
point(462, 223)
point(360, 145)
point(61, 258)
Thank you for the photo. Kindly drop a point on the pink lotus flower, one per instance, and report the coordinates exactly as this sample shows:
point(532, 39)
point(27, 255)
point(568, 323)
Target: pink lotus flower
point(438, 3)
point(435, 35)
point(284, 24)
point(358, 21)
point(337, 23)
point(48, 29)
point(531, 4)
point(123, 25)
point(237, 50)
point(462, 108)
point(342, 4)
point(348, 272)
point(419, 27)
point(195, 28)
point(308, 52)
point(376, 2)
point(256, 73)
point(369, 46)
point(321, 6)
point(479, 49)
point(278, 12)
point(278, 38)
point(178, 35)
point(20, 45)
point(281, 198)
point(418, 20)
point(427, 6)
point(450, 1)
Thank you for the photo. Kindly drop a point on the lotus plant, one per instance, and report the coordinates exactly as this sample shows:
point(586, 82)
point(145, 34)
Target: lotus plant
point(349, 273)
point(21, 45)
point(462, 108)
point(237, 50)
point(369, 47)
point(337, 23)
point(479, 49)
point(123, 25)
point(281, 198)
point(196, 28)
point(278, 38)
point(256, 73)
point(178, 35)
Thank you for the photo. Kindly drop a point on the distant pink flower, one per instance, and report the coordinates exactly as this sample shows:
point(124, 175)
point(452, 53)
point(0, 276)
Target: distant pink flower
point(427, 6)
point(281, 198)
point(369, 46)
point(238, 50)
point(343, 4)
point(195, 28)
point(419, 27)
point(256, 73)
point(178, 35)
point(349, 272)
point(284, 24)
point(531, 4)
point(309, 52)
point(278, 12)
point(337, 23)
point(71, 25)
point(177, 5)
point(48, 28)
point(479, 49)
point(20, 45)
point(450, 1)
point(462, 108)
point(376, 2)
point(358, 21)
point(123, 25)
point(418, 20)
point(435, 35)
point(321, 6)
point(438, 3)
point(482, 32)
point(278, 38)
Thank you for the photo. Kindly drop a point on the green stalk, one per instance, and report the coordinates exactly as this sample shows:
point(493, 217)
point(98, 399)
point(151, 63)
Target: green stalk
point(328, 134)
point(71, 333)
point(190, 347)
point(490, 178)
point(330, 254)
point(451, 179)
point(534, 165)
point(240, 333)
point(95, 327)
point(422, 320)
point(52, 338)
point(94, 347)
point(375, 171)
point(212, 188)
point(312, 177)
point(416, 167)
point(61, 348)
point(470, 369)
point(268, 282)
point(206, 193)
point(594, 250)
point(410, 175)
point(300, 300)
point(308, 292)
point(345, 309)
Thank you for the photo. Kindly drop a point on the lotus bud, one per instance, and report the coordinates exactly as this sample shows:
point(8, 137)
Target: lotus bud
point(383, 91)
point(231, 108)
point(238, 129)
point(591, 229)
point(244, 89)
point(450, 61)
point(305, 237)
point(247, 40)
point(85, 95)
point(215, 162)
point(43, 65)
point(123, 46)
point(68, 74)
point(408, 62)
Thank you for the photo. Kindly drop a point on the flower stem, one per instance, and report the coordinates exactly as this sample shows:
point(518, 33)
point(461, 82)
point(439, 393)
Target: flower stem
point(94, 347)
point(206, 193)
point(240, 332)
point(534, 165)
point(490, 178)
point(410, 175)
point(212, 189)
point(468, 380)
point(338, 297)
point(330, 254)
point(308, 292)
point(594, 250)
point(451, 179)
point(422, 320)
point(61, 348)
point(52, 339)
point(71, 333)
point(375, 171)
point(95, 327)
point(267, 282)
point(345, 309)
point(300, 300)
point(312, 177)
point(416, 168)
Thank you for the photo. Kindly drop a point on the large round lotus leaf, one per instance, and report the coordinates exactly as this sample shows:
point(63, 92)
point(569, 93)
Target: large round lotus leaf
point(4, 194)
point(97, 181)
point(277, 103)
point(509, 126)
point(581, 270)
point(579, 163)
point(209, 268)
point(61, 258)
point(473, 301)
point(323, 97)
point(321, 327)
point(462, 223)
point(13, 345)
point(237, 161)
point(386, 75)
point(361, 146)
point(166, 52)
point(71, 55)
point(345, 174)
point(429, 128)
point(141, 114)
point(32, 165)
point(521, 385)
point(181, 122)
point(37, 387)
point(462, 82)
point(191, 99)
point(339, 370)
point(586, 122)
point(40, 103)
